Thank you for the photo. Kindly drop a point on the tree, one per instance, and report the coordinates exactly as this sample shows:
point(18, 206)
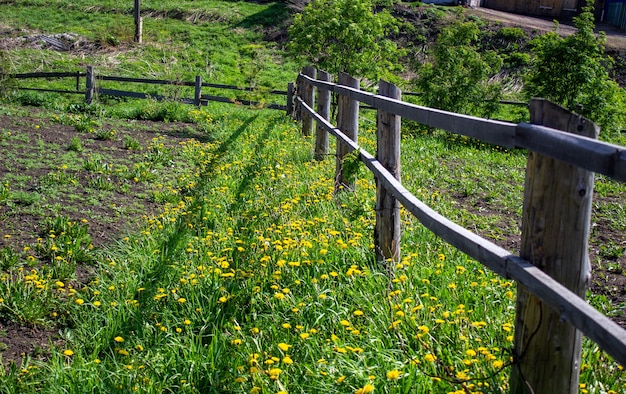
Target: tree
point(344, 35)
point(574, 72)
point(457, 78)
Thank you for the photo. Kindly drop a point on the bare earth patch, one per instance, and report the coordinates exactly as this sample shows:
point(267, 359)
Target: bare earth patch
point(45, 178)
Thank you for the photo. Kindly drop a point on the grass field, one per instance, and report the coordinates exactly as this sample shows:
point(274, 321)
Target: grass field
point(229, 265)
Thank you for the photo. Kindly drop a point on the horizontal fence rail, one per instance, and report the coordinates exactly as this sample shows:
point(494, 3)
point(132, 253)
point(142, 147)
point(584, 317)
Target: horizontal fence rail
point(597, 156)
point(91, 90)
point(582, 152)
point(602, 330)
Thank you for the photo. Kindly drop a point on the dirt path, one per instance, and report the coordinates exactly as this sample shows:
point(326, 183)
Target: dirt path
point(615, 38)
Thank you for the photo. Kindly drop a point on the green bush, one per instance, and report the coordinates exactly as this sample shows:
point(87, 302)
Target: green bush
point(457, 78)
point(574, 72)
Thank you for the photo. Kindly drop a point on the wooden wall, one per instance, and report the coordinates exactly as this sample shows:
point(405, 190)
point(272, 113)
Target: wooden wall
point(546, 8)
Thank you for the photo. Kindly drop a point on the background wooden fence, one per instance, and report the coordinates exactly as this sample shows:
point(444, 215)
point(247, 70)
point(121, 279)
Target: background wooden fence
point(92, 89)
point(552, 270)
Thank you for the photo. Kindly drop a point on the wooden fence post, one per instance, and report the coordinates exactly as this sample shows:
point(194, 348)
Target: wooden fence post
point(290, 91)
point(138, 22)
point(90, 85)
point(348, 123)
point(323, 109)
point(308, 95)
point(555, 230)
point(198, 91)
point(387, 228)
point(78, 81)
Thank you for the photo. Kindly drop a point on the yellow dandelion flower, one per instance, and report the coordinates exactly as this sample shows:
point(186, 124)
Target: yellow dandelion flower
point(283, 346)
point(287, 360)
point(68, 353)
point(394, 374)
point(358, 312)
point(79, 301)
point(118, 339)
point(368, 388)
point(430, 358)
point(182, 300)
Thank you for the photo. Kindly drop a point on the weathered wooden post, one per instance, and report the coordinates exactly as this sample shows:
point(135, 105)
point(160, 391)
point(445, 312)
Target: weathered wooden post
point(323, 109)
point(308, 95)
point(90, 85)
point(78, 81)
point(387, 229)
point(197, 94)
point(348, 123)
point(138, 22)
point(290, 91)
point(555, 230)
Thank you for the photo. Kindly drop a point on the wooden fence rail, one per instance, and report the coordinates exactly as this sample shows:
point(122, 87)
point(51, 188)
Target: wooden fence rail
point(564, 303)
point(92, 90)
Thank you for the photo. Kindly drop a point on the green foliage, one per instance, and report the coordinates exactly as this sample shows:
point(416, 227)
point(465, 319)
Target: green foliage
point(457, 79)
point(344, 35)
point(573, 72)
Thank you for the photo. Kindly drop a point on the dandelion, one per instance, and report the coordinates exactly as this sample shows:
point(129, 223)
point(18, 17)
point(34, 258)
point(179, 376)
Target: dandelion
point(274, 372)
point(394, 374)
point(68, 353)
point(368, 388)
point(430, 358)
point(287, 360)
point(182, 300)
point(283, 346)
point(304, 335)
point(79, 301)
point(118, 339)
point(286, 326)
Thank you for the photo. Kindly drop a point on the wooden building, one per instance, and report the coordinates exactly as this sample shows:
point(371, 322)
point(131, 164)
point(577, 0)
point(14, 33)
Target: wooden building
point(614, 12)
point(546, 8)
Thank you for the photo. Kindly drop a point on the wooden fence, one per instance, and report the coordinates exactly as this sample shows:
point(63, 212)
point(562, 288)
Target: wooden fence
point(93, 89)
point(552, 270)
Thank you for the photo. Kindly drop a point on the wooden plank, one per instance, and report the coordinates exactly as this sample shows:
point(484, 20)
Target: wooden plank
point(348, 123)
point(603, 331)
point(308, 95)
point(197, 91)
point(587, 153)
point(145, 80)
point(323, 109)
point(490, 131)
point(139, 95)
point(387, 226)
point(290, 94)
point(138, 21)
point(184, 83)
point(45, 75)
point(90, 85)
point(555, 230)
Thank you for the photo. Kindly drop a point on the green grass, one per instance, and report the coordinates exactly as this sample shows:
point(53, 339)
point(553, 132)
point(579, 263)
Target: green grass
point(255, 277)
point(252, 276)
